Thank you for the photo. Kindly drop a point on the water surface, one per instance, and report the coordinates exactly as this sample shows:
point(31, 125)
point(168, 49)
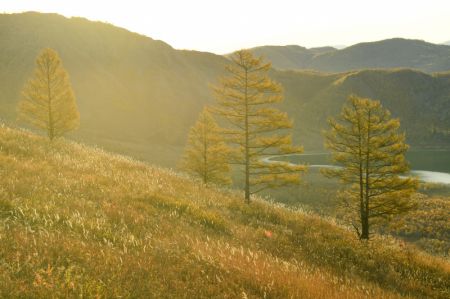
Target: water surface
point(431, 166)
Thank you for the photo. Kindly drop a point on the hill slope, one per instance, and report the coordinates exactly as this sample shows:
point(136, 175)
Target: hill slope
point(139, 96)
point(390, 53)
point(76, 221)
point(420, 100)
point(129, 87)
point(290, 57)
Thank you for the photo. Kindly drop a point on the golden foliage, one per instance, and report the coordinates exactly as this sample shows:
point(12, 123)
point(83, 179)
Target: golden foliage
point(370, 155)
point(245, 99)
point(206, 154)
point(48, 101)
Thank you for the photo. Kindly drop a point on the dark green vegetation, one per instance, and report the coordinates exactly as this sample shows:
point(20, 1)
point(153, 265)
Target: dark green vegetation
point(391, 53)
point(78, 222)
point(140, 96)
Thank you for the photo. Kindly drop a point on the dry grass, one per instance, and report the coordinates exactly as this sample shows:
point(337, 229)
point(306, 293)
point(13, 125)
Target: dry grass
point(79, 222)
point(428, 227)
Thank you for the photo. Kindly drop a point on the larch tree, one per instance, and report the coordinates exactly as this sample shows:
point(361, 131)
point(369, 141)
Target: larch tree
point(48, 101)
point(206, 153)
point(256, 129)
point(370, 157)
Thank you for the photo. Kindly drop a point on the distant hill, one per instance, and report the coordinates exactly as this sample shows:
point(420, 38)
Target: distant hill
point(290, 57)
point(129, 87)
point(139, 96)
point(420, 100)
point(391, 53)
point(79, 222)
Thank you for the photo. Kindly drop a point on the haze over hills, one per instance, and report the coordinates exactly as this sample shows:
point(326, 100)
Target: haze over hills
point(82, 221)
point(139, 96)
point(129, 87)
point(390, 53)
point(291, 56)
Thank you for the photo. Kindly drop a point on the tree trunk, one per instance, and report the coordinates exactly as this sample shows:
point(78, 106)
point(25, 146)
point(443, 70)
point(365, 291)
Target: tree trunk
point(247, 149)
point(205, 157)
point(365, 220)
point(50, 129)
point(247, 184)
point(364, 227)
point(361, 183)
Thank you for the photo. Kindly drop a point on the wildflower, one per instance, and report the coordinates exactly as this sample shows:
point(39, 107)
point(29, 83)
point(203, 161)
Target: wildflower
point(268, 233)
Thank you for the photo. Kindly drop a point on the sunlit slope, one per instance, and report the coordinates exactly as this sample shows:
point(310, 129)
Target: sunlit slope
point(129, 87)
point(139, 96)
point(78, 221)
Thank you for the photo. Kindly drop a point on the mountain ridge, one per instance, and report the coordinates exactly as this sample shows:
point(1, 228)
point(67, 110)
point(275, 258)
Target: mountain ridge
point(388, 53)
point(139, 96)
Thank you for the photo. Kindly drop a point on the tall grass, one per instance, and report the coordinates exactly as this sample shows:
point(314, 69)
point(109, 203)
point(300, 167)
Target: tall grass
point(78, 222)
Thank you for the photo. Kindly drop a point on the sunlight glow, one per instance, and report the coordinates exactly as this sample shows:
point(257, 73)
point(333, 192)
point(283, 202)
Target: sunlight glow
point(224, 26)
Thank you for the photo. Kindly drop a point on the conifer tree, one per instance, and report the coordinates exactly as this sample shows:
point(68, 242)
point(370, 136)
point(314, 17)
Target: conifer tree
point(206, 154)
point(246, 98)
point(48, 101)
point(370, 153)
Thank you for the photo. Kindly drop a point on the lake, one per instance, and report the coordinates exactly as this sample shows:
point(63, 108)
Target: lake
point(432, 166)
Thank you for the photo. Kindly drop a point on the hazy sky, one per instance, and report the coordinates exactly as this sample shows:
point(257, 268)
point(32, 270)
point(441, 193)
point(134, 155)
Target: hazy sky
point(222, 26)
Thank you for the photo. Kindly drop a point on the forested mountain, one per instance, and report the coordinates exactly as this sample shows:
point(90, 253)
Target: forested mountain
point(292, 56)
point(139, 96)
point(129, 87)
point(391, 53)
point(420, 100)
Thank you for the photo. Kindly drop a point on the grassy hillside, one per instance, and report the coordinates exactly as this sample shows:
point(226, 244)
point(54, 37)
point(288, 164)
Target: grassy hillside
point(77, 221)
point(390, 53)
point(427, 227)
point(139, 96)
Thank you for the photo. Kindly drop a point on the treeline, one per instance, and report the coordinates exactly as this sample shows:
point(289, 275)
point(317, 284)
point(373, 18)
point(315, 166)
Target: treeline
point(244, 129)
